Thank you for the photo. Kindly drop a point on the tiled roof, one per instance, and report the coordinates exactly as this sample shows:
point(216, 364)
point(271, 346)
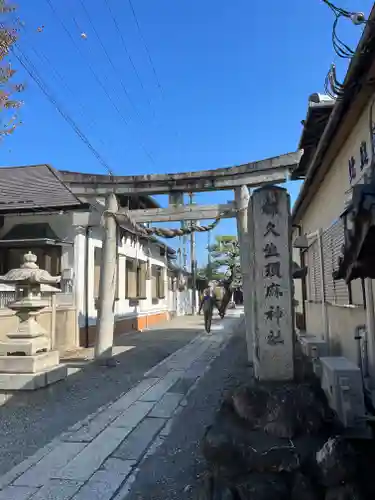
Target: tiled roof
point(33, 187)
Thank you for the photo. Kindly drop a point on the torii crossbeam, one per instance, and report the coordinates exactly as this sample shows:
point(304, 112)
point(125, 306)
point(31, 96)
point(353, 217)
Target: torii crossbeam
point(270, 171)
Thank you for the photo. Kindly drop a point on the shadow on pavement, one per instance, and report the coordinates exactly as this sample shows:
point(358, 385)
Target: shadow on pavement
point(30, 419)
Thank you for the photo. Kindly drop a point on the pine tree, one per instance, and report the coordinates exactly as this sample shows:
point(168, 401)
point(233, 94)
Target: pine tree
point(9, 104)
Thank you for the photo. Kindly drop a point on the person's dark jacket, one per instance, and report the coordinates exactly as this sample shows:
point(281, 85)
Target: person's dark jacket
point(208, 302)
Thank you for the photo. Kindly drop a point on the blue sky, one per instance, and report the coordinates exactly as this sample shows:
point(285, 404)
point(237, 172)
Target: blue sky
point(234, 75)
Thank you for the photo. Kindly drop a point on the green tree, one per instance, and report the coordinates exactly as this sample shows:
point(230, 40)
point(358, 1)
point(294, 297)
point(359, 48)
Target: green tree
point(225, 260)
point(9, 105)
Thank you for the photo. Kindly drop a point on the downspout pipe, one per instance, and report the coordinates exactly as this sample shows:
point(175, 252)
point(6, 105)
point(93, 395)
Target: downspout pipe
point(370, 325)
point(303, 287)
point(318, 235)
point(323, 291)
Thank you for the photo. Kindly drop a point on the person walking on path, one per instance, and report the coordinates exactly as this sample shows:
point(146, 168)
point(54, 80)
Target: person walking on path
point(208, 302)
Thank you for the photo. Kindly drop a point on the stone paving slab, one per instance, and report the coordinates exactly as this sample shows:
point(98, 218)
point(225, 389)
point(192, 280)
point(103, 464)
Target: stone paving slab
point(109, 445)
point(166, 406)
point(134, 394)
point(131, 417)
point(40, 473)
point(117, 465)
point(92, 456)
point(17, 493)
point(135, 446)
point(57, 489)
point(93, 428)
point(158, 390)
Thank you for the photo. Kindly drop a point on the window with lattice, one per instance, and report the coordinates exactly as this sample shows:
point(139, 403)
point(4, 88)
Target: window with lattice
point(136, 274)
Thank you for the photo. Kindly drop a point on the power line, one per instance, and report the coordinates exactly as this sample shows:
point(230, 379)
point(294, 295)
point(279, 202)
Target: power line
point(61, 79)
point(63, 25)
point(145, 46)
point(31, 70)
point(108, 56)
point(117, 26)
point(98, 80)
point(357, 18)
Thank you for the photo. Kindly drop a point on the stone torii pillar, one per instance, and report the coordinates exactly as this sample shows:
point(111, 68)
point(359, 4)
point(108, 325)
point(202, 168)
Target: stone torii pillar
point(107, 282)
point(273, 333)
point(242, 198)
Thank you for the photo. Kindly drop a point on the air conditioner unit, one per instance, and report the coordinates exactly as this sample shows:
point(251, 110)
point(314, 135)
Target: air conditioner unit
point(341, 381)
point(313, 347)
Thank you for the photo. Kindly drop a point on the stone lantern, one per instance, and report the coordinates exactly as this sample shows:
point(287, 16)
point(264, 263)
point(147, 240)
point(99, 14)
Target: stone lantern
point(26, 359)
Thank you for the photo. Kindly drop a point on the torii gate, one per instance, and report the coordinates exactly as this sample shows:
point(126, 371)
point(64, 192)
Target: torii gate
point(265, 214)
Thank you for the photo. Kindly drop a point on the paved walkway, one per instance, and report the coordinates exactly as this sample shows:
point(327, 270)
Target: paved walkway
point(93, 458)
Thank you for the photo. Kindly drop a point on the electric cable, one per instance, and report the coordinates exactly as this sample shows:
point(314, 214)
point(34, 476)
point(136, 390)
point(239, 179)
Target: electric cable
point(332, 86)
point(145, 45)
point(31, 70)
point(45, 60)
point(98, 80)
point(109, 58)
point(124, 45)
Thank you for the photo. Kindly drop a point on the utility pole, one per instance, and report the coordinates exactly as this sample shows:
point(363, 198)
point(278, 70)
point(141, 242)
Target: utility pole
point(184, 245)
point(193, 264)
point(107, 284)
point(209, 263)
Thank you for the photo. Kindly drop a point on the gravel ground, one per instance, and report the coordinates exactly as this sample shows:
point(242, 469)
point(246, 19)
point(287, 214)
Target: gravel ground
point(171, 473)
point(30, 420)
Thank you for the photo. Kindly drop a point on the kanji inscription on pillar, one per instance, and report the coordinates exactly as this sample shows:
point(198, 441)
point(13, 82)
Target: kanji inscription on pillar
point(273, 284)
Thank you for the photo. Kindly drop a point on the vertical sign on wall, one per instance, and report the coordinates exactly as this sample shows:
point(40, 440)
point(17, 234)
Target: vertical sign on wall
point(273, 359)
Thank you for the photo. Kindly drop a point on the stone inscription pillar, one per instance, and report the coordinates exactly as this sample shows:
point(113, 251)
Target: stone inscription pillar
point(273, 339)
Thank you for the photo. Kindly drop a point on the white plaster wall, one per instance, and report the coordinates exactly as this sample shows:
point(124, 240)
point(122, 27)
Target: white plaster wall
point(74, 258)
point(130, 249)
point(330, 197)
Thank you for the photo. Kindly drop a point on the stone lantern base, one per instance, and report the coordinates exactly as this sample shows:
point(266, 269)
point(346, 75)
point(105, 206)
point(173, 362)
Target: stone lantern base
point(28, 373)
point(26, 361)
point(28, 364)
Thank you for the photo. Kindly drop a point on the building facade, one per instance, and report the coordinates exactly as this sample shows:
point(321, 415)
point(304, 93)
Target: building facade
point(66, 235)
point(338, 144)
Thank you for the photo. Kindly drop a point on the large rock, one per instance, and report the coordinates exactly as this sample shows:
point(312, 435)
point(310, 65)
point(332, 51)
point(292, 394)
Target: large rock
point(211, 488)
point(302, 488)
point(283, 411)
point(263, 487)
point(250, 403)
point(336, 462)
point(344, 492)
point(307, 447)
point(234, 450)
point(293, 410)
point(280, 419)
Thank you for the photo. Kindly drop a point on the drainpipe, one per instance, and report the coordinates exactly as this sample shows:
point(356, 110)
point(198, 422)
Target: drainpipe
point(87, 298)
point(303, 281)
point(318, 234)
point(323, 293)
point(370, 324)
